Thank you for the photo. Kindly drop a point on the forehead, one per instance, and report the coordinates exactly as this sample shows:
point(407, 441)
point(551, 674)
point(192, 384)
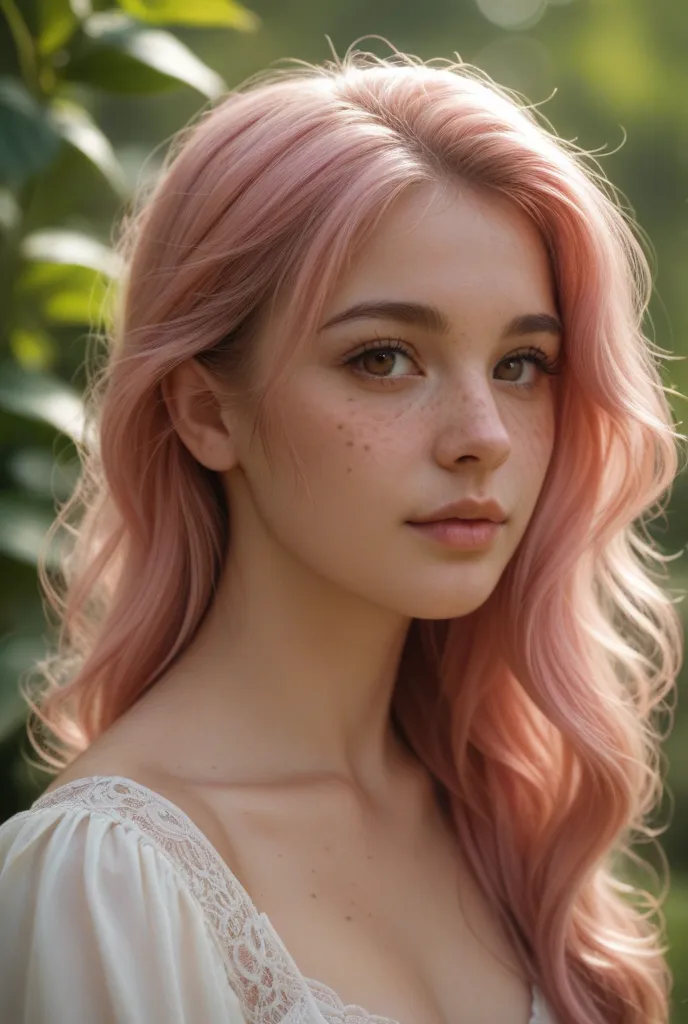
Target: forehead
point(449, 244)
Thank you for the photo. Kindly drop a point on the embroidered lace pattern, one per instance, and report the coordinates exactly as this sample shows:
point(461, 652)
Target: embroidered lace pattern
point(258, 966)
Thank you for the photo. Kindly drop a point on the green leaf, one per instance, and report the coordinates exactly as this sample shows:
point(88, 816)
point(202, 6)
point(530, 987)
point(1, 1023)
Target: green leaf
point(72, 303)
point(33, 349)
point(18, 654)
point(28, 141)
point(37, 471)
point(62, 294)
point(57, 24)
point(117, 54)
point(10, 210)
point(221, 13)
point(24, 526)
point(41, 396)
point(66, 278)
point(58, 246)
point(77, 126)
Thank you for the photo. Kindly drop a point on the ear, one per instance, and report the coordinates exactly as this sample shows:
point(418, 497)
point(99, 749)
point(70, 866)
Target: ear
point(192, 397)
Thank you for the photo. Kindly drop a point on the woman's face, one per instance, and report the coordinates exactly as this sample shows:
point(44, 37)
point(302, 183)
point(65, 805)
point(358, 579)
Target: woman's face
point(390, 436)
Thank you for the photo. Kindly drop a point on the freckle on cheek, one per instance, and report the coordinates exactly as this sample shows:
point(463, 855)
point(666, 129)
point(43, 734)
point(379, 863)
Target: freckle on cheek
point(349, 444)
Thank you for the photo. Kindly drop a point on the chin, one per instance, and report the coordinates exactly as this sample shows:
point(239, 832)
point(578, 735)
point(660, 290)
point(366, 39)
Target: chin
point(464, 601)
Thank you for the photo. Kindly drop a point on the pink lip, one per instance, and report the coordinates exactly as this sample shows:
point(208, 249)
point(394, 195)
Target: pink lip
point(461, 534)
point(470, 507)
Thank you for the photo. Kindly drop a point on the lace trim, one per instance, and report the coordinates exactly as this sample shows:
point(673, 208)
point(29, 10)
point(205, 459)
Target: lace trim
point(257, 963)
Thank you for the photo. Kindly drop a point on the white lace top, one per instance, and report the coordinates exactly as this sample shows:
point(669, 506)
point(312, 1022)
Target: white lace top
point(116, 909)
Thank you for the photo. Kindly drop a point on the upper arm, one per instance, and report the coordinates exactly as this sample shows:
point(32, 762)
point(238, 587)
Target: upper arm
point(97, 926)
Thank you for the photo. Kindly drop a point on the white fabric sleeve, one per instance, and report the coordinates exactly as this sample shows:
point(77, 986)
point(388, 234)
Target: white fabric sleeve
point(97, 927)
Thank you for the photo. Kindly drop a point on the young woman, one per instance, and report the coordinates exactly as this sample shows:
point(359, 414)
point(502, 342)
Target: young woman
point(350, 707)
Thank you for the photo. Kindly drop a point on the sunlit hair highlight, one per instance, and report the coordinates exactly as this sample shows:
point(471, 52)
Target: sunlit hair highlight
point(536, 714)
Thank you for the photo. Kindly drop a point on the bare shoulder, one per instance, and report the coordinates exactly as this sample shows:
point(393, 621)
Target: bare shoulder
point(118, 752)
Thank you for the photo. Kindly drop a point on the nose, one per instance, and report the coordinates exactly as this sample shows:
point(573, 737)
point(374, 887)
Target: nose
point(470, 426)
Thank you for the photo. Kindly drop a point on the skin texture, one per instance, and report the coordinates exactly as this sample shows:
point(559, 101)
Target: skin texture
point(292, 672)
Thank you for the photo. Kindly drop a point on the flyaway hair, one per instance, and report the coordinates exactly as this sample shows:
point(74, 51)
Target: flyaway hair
point(537, 714)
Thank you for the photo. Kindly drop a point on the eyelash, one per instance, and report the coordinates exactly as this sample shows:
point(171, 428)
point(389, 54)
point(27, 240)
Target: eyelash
point(534, 355)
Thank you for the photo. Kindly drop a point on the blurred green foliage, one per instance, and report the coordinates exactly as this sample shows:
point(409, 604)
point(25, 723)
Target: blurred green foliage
point(61, 183)
point(90, 94)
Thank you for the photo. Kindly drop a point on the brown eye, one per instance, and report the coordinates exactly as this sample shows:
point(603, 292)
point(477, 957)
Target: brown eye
point(539, 361)
point(380, 357)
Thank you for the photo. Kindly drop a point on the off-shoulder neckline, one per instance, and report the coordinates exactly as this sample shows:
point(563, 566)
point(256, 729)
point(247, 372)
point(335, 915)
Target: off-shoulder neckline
point(325, 996)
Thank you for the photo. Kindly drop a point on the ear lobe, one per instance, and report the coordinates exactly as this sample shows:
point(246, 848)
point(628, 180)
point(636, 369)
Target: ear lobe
point(191, 396)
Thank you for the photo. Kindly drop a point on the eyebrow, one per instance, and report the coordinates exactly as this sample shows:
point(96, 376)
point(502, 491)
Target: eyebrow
point(433, 319)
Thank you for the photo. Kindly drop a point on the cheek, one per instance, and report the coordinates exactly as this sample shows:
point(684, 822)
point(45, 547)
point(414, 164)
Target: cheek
point(535, 445)
point(334, 472)
point(341, 438)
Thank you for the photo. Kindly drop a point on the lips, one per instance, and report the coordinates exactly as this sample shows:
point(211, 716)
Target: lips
point(461, 534)
point(465, 510)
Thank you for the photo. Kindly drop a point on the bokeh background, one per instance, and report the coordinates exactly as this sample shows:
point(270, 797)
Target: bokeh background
point(91, 93)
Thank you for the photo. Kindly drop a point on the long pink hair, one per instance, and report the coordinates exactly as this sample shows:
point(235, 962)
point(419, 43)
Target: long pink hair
point(535, 713)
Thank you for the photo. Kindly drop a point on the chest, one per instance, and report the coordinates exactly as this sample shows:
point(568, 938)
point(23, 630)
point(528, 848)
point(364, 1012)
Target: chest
point(381, 915)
